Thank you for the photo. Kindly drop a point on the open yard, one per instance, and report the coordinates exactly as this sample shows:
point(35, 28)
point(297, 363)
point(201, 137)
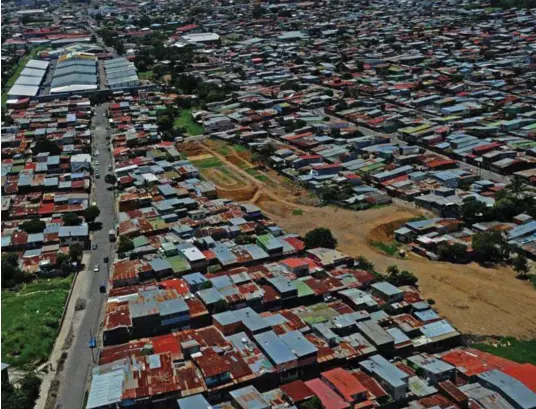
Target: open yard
point(510, 348)
point(30, 320)
point(478, 300)
point(185, 120)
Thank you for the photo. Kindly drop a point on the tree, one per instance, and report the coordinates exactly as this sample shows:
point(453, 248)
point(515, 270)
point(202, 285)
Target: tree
point(71, 219)
point(220, 306)
point(91, 213)
point(125, 245)
point(75, 252)
point(22, 397)
point(46, 146)
point(399, 278)
point(165, 122)
point(206, 285)
point(12, 275)
point(111, 179)
point(33, 226)
point(517, 186)
point(119, 47)
point(487, 247)
point(455, 253)
point(474, 211)
point(365, 264)
point(521, 266)
point(320, 237)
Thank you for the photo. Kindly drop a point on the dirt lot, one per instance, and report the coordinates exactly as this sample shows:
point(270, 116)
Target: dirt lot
point(483, 301)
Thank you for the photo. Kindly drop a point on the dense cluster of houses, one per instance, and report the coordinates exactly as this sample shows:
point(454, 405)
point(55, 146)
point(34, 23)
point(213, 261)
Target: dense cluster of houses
point(46, 173)
point(213, 305)
point(425, 236)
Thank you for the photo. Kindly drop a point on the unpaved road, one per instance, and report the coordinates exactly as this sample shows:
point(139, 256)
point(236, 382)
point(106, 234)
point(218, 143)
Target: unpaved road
point(478, 300)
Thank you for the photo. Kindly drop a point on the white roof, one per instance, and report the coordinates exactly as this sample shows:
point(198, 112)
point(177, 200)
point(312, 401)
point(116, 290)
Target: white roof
point(39, 64)
point(73, 88)
point(24, 90)
point(201, 37)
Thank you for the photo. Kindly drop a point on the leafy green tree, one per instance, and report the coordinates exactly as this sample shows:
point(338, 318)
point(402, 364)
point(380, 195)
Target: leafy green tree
point(125, 245)
point(455, 253)
point(475, 211)
point(12, 275)
point(220, 306)
point(488, 247)
point(75, 252)
point(320, 237)
point(33, 226)
point(521, 266)
point(364, 264)
point(91, 213)
point(399, 278)
point(46, 145)
point(22, 397)
point(206, 285)
point(71, 219)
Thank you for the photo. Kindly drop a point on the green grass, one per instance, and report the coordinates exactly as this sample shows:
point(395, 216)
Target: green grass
point(146, 75)
point(185, 120)
point(224, 150)
point(30, 321)
point(297, 212)
point(239, 148)
point(388, 248)
point(207, 163)
point(511, 348)
point(262, 178)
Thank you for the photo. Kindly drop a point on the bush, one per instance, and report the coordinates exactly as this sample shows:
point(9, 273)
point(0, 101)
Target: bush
point(80, 304)
point(125, 245)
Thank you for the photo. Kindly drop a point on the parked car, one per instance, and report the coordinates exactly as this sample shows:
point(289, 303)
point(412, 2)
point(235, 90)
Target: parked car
point(96, 268)
point(94, 246)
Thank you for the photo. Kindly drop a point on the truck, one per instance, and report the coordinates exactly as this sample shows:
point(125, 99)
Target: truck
point(111, 235)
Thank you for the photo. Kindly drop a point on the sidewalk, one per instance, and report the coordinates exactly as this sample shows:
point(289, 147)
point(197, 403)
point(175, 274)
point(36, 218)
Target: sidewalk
point(64, 339)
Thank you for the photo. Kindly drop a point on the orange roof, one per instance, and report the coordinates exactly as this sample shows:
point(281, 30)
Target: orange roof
point(524, 373)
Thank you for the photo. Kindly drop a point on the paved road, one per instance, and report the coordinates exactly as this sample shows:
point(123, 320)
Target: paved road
point(79, 361)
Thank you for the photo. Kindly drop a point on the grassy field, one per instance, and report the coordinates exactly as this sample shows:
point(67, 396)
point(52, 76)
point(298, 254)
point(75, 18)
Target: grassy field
point(388, 248)
point(511, 348)
point(30, 320)
point(207, 163)
point(185, 120)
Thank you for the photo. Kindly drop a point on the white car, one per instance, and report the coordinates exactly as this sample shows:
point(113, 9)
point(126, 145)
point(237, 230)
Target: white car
point(96, 269)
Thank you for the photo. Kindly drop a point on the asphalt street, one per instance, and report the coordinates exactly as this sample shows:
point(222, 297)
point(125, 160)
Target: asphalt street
point(80, 357)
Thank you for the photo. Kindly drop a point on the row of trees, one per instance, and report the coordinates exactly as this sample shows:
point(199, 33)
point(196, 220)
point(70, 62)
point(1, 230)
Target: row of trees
point(33, 226)
point(508, 203)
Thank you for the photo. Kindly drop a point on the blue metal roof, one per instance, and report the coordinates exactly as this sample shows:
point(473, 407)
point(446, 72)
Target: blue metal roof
point(276, 349)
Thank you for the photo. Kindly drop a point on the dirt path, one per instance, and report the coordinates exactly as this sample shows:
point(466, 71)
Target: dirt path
point(477, 300)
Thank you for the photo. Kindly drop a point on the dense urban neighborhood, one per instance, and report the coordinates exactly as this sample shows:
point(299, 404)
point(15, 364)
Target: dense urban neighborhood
point(252, 205)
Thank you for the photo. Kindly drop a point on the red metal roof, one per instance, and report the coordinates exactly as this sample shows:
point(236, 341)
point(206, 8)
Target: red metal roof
point(346, 384)
point(327, 396)
point(297, 391)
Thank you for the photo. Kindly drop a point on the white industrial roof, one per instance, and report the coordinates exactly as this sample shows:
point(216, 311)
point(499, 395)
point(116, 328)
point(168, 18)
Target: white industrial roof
point(24, 90)
point(73, 88)
point(39, 64)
